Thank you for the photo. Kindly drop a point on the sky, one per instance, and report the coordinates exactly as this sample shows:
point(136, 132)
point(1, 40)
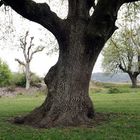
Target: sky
point(41, 62)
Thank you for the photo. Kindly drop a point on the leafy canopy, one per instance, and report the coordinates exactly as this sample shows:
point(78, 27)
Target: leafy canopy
point(122, 52)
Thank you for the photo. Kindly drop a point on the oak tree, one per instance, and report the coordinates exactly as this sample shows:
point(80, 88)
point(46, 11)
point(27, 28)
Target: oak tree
point(81, 37)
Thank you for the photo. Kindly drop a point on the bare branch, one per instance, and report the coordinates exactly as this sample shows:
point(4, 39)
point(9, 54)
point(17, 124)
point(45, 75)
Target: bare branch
point(123, 69)
point(38, 49)
point(23, 45)
point(30, 46)
point(20, 62)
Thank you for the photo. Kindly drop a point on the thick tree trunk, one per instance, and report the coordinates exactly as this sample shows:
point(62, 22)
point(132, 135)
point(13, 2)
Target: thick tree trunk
point(133, 78)
point(81, 38)
point(68, 102)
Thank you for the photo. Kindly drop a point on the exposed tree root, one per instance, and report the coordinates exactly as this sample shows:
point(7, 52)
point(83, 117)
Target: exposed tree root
point(39, 118)
point(63, 120)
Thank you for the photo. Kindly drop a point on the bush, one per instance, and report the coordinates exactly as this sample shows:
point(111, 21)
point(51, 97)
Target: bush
point(35, 80)
point(113, 90)
point(5, 74)
point(19, 79)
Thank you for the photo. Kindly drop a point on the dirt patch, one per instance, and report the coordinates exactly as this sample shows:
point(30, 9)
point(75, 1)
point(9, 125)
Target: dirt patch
point(5, 92)
point(12, 92)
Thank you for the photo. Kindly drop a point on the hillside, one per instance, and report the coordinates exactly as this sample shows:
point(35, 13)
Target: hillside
point(111, 78)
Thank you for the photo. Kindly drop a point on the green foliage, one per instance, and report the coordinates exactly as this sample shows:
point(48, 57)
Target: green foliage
point(5, 74)
point(19, 79)
point(123, 125)
point(110, 58)
point(113, 90)
point(110, 88)
point(35, 80)
point(122, 51)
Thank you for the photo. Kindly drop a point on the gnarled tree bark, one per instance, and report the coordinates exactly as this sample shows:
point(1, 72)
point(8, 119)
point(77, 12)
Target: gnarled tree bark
point(81, 38)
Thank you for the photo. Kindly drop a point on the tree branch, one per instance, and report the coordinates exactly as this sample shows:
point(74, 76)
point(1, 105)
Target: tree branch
point(23, 45)
point(39, 49)
point(102, 23)
point(91, 3)
point(30, 46)
point(20, 62)
point(37, 12)
point(79, 8)
point(123, 69)
point(1, 3)
point(120, 57)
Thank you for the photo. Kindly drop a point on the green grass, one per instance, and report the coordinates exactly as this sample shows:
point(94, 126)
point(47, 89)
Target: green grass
point(124, 126)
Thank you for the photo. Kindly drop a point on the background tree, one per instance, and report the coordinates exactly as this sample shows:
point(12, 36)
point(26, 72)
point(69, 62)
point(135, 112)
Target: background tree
point(81, 37)
point(5, 74)
point(28, 52)
point(122, 56)
point(123, 49)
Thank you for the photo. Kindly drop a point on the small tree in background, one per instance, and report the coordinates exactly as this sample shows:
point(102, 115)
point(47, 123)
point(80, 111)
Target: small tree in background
point(28, 52)
point(5, 74)
point(123, 49)
point(119, 57)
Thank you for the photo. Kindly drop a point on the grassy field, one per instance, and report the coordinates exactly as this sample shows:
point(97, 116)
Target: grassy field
point(123, 101)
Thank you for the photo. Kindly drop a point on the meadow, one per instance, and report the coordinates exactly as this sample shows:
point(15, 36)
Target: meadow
point(121, 101)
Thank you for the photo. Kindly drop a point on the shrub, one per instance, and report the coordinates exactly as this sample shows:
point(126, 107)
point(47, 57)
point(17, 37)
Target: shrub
point(5, 74)
point(18, 79)
point(35, 80)
point(113, 90)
